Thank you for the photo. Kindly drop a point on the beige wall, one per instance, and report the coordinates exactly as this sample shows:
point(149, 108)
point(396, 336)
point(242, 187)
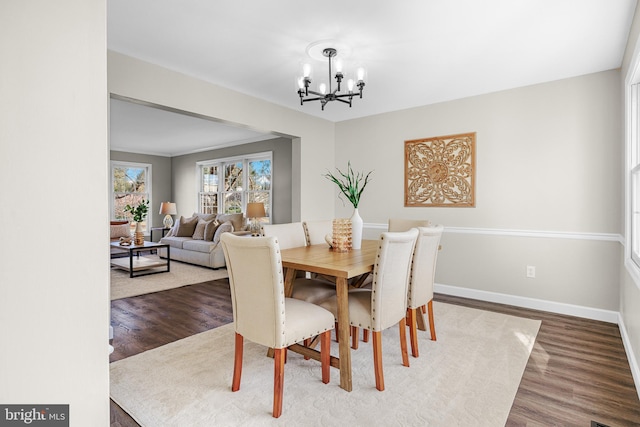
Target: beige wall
point(547, 190)
point(54, 277)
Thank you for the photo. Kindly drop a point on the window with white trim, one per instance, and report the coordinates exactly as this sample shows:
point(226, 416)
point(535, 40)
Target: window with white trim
point(130, 185)
point(227, 185)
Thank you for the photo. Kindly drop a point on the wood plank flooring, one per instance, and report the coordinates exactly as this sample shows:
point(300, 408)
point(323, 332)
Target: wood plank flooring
point(577, 372)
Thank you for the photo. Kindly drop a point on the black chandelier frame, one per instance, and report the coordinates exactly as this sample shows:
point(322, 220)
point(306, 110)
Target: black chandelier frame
point(331, 95)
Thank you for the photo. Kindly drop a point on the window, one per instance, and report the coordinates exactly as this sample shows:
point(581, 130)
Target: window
point(130, 184)
point(632, 171)
point(227, 185)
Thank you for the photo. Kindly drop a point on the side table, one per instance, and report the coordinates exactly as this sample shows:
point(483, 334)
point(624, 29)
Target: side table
point(163, 229)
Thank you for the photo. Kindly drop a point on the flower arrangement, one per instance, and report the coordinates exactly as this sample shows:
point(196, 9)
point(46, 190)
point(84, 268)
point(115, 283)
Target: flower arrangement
point(139, 212)
point(352, 184)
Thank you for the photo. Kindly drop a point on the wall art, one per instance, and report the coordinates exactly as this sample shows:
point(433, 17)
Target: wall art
point(440, 171)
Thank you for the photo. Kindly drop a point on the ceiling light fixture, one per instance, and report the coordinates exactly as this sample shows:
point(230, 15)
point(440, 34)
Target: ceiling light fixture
point(322, 94)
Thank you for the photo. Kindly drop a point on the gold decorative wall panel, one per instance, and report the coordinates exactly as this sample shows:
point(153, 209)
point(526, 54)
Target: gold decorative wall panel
point(440, 171)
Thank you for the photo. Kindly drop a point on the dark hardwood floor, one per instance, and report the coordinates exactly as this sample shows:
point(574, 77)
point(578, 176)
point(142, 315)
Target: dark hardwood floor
point(577, 373)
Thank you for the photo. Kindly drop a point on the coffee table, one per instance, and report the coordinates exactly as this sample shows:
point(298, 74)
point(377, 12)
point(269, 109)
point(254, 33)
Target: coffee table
point(136, 264)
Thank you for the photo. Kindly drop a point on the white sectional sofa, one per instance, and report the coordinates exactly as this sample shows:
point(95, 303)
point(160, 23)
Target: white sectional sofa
point(196, 240)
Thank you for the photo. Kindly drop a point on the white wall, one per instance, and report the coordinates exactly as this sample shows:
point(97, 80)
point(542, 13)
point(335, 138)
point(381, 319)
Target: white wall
point(547, 188)
point(54, 283)
point(132, 78)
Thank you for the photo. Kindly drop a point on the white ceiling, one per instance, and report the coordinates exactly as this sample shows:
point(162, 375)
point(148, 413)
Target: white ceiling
point(417, 52)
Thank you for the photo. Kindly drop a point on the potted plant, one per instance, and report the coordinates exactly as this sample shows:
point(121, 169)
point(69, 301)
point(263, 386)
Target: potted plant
point(139, 213)
point(352, 184)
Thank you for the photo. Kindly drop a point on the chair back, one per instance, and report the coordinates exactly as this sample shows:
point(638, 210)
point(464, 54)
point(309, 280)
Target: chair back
point(257, 288)
point(423, 269)
point(400, 224)
point(391, 278)
point(290, 235)
point(316, 231)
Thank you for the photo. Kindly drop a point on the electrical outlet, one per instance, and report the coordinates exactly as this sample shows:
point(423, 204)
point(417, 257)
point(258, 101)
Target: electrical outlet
point(531, 271)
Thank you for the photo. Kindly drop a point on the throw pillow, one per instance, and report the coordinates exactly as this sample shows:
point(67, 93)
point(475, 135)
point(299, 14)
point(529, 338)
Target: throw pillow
point(224, 227)
point(205, 217)
point(199, 232)
point(236, 219)
point(186, 226)
point(120, 230)
point(210, 229)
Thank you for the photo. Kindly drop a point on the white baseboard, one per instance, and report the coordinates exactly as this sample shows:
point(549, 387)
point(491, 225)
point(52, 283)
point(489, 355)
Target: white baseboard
point(536, 304)
point(553, 307)
point(633, 364)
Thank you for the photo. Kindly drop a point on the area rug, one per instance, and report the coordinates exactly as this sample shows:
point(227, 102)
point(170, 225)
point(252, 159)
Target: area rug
point(468, 377)
point(181, 274)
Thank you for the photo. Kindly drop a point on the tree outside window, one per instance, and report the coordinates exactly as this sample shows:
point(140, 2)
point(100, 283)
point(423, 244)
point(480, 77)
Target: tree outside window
point(130, 186)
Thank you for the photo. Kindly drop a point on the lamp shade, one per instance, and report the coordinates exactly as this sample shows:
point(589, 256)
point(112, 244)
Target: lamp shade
point(168, 208)
point(255, 210)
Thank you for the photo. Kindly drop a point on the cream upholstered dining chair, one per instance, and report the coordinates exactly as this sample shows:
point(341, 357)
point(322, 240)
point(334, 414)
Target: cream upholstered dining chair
point(292, 235)
point(422, 276)
point(423, 272)
point(385, 304)
point(317, 231)
point(261, 312)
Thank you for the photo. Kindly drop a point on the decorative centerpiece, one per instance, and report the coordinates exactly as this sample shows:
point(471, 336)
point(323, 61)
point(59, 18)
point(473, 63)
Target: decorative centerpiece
point(342, 238)
point(139, 213)
point(352, 185)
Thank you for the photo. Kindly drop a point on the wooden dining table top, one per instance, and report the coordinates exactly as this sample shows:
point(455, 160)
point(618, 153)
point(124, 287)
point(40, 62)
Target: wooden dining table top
point(324, 260)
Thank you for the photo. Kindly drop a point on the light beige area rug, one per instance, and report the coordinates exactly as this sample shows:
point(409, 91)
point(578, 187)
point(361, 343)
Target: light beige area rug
point(181, 274)
point(469, 377)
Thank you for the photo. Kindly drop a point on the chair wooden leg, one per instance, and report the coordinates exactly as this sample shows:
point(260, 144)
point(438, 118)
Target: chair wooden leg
point(355, 336)
point(413, 331)
point(278, 380)
point(306, 344)
point(365, 335)
point(403, 342)
point(424, 309)
point(325, 355)
point(336, 329)
point(432, 326)
point(377, 359)
point(237, 363)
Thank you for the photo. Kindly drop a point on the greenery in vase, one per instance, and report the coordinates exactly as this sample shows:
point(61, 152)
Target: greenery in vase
point(139, 212)
point(351, 183)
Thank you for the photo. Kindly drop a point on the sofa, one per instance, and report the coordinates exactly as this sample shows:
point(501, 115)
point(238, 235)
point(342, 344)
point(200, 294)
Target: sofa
point(196, 240)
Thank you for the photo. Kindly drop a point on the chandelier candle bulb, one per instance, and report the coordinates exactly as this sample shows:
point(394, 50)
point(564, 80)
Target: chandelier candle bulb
point(326, 93)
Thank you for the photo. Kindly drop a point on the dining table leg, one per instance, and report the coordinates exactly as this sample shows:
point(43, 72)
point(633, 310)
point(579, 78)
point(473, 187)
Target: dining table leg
point(342, 290)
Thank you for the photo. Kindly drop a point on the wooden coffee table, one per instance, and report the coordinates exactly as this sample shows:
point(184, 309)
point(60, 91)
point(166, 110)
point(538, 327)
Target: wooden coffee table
point(135, 264)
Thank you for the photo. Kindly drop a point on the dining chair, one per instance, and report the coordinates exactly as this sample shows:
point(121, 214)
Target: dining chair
point(423, 272)
point(261, 312)
point(292, 235)
point(385, 304)
point(422, 276)
point(317, 231)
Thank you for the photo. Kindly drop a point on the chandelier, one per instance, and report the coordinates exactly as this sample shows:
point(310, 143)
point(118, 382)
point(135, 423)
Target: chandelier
point(324, 94)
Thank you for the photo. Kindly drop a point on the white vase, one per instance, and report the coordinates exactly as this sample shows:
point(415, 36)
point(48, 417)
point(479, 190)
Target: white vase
point(356, 230)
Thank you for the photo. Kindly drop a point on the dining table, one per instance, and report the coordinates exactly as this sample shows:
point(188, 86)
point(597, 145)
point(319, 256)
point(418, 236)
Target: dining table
point(355, 264)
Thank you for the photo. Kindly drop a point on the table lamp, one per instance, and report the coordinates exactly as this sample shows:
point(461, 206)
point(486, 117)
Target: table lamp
point(168, 209)
point(254, 211)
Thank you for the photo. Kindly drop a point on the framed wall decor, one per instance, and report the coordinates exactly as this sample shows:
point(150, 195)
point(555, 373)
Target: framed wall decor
point(440, 171)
